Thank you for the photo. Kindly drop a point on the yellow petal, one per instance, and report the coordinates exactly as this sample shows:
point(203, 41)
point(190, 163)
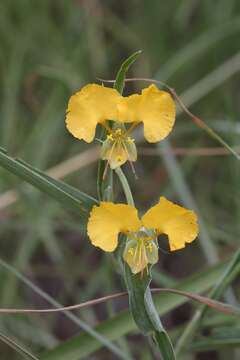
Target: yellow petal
point(107, 220)
point(173, 220)
point(128, 108)
point(155, 108)
point(93, 104)
point(157, 113)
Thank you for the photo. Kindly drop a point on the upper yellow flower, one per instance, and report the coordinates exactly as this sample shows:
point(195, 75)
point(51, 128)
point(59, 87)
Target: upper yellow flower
point(108, 220)
point(95, 104)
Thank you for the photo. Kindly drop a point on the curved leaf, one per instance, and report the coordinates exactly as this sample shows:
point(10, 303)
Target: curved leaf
point(69, 196)
point(120, 78)
point(144, 312)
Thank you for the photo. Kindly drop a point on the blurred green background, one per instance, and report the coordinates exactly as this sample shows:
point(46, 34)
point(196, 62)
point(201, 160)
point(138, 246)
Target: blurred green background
point(51, 48)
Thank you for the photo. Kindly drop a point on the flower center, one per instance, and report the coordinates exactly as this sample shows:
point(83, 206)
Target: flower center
point(141, 249)
point(120, 135)
point(118, 148)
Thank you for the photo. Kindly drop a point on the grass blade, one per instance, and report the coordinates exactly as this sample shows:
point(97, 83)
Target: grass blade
point(121, 75)
point(67, 195)
point(222, 283)
point(98, 337)
point(221, 338)
point(18, 348)
point(81, 346)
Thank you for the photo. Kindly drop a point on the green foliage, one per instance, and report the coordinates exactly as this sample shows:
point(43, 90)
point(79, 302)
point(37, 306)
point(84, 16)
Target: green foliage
point(49, 49)
point(83, 345)
point(67, 195)
point(144, 311)
point(122, 72)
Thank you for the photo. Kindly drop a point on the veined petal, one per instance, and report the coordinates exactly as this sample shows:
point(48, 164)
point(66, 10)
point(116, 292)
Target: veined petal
point(139, 254)
point(107, 220)
point(135, 256)
point(154, 107)
point(115, 153)
point(173, 220)
point(93, 104)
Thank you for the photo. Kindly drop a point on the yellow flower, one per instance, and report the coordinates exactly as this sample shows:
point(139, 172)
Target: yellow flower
point(95, 104)
point(108, 220)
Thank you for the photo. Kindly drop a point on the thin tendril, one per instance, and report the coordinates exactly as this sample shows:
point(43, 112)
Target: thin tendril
point(131, 163)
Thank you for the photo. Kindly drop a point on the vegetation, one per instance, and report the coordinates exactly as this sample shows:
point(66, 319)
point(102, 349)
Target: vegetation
point(49, 50)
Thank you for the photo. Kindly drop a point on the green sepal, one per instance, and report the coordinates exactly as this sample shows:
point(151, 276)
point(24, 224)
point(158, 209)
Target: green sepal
point(120, 78)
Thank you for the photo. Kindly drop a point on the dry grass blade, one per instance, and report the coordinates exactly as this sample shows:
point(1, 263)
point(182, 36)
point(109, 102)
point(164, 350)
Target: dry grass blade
point(182, 151)
point(217, 305)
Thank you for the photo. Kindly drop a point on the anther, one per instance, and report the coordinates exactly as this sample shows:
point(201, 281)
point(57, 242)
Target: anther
point(130, 140)
point(131, 251)
point(110, 137)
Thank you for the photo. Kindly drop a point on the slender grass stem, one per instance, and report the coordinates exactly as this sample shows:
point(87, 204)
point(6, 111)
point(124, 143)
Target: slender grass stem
point(18, 348)
point(87, 328)
point(223, 282)
point(125, 185)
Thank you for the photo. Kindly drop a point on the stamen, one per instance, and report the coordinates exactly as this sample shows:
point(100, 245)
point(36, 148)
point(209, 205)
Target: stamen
point(118, 132)
point(110, 137)
point(132, 127)
point(135, 254)
point(140, 254)
point(131, 163)
point(105, 170)
point(130, 140)
point(150, 247)
point(144, 259)
point(106, 126)
point(133, 170)
point(119, 158)
point(106, 167)
point(131, 251)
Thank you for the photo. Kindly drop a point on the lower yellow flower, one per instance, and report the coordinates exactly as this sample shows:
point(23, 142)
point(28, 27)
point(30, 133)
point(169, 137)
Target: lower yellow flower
point(108, 220)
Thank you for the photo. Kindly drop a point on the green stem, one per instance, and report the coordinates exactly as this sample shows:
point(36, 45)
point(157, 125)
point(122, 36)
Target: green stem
point(230, 273)
point(125, 185)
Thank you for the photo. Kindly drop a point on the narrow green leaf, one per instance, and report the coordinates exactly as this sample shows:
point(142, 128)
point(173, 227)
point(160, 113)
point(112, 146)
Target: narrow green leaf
point(70, 197)
point(120, 78)
point(220, 338)
point(221, 284)
point(72, 317)
point(144, 311)
point(18, 348)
